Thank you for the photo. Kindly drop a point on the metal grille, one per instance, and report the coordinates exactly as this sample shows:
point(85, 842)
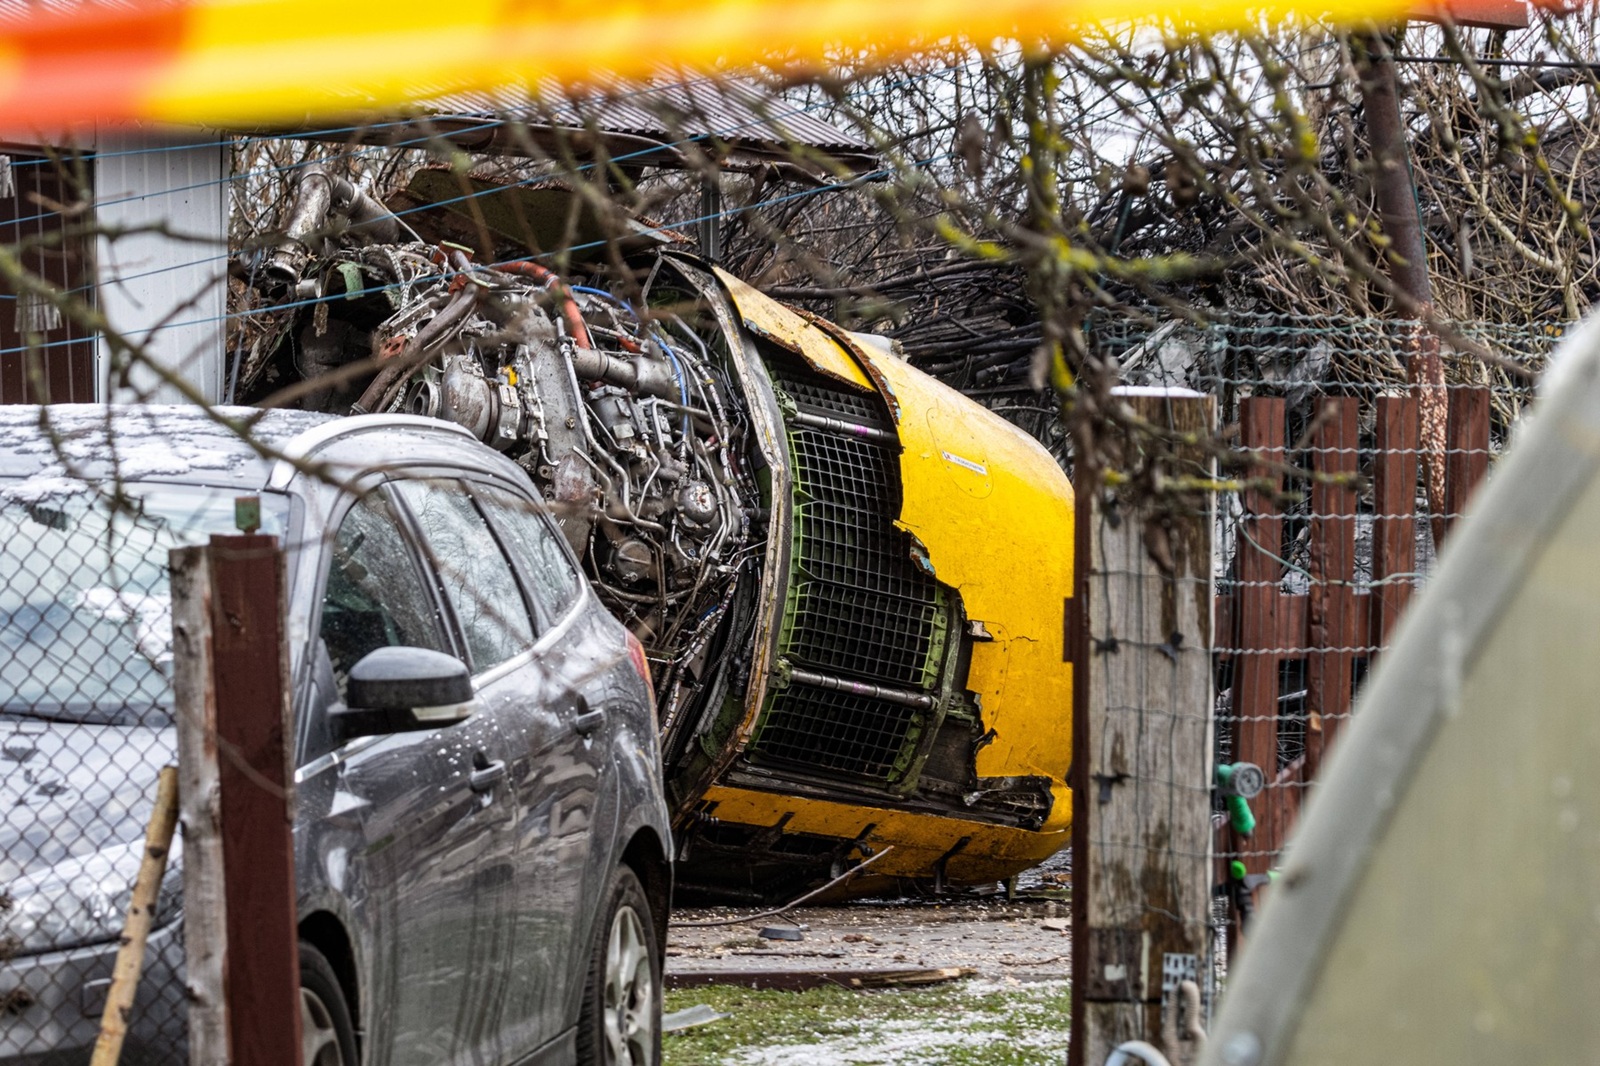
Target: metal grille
point(812, 394)
point(840, 549)
point(822, 729)
point(858, 605)
point(853, 631)
point(844, 471)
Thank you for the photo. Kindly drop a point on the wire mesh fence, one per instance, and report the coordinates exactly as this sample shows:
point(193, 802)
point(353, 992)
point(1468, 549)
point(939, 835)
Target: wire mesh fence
point(85, 655)
point(1335, 495)
point(92, 500)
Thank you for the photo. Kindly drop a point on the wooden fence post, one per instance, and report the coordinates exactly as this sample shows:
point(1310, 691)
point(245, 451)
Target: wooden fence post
point(1258, 551)
point(1331, 605)
point(251, 672)
point(1142, 755)
point(1467, 458)
point(205, 931)
point(1394, 526)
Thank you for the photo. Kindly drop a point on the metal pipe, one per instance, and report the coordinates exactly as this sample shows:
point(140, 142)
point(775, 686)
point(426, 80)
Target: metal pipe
point(1131, 1051)
point(375, 396)
point(839, 425)
point(569, 306)
point(318, 196)
point(862, 688)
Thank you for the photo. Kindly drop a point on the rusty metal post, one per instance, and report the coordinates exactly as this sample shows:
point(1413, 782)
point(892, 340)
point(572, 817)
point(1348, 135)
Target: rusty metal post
point(1141, 891)
point(250, 674)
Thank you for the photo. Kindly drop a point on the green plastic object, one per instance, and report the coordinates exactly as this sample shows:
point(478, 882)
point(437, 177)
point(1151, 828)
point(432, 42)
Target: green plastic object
point(1237, 870)
point(247, 513)
point(1240, 816)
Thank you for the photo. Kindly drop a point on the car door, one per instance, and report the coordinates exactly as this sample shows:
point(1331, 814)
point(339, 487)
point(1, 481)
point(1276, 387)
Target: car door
point(565, 794)
point(484, 593)
point(436, 822)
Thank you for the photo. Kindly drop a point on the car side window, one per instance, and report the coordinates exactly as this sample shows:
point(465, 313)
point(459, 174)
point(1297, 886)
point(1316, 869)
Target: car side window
point(477, 578)
point(375, 596)
point(556, 585)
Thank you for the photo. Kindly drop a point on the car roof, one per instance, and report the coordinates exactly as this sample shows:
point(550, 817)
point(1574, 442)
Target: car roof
point(230, 447)
point(145, 442)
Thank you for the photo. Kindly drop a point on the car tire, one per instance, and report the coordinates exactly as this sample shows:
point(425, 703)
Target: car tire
point(620, 1023)
point(327, 1036)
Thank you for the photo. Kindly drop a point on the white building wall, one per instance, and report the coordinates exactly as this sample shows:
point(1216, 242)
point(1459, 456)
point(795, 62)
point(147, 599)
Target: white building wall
point(168, 295)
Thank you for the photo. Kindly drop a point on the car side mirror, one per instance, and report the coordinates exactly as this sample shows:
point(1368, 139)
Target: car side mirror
point(397, 690)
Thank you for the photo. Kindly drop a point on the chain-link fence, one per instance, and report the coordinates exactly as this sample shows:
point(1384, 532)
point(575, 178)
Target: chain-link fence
point(91, 503)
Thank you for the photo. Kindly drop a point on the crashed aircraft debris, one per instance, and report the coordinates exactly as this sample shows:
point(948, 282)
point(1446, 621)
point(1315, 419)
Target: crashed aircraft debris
point(849, 579)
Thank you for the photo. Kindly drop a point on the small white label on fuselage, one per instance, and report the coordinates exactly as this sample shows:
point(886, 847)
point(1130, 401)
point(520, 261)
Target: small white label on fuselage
point(976, 468)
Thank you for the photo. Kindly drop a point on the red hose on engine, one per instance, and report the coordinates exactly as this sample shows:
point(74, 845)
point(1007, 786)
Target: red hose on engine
point(569, 306)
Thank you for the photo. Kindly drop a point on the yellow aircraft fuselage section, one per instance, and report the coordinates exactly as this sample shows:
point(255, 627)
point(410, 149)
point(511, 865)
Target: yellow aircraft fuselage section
point(992, 515)
point(920, 841)
point(995, 513)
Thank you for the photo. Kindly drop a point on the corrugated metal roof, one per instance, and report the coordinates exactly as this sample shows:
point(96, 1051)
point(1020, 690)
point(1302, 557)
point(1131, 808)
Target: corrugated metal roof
point(669, 108)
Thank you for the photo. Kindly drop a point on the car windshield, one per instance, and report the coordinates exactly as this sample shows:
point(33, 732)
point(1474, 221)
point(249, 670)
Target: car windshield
point(85, 611)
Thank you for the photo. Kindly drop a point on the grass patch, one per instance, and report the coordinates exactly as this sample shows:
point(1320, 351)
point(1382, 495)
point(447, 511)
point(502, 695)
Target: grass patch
point(966, 1023)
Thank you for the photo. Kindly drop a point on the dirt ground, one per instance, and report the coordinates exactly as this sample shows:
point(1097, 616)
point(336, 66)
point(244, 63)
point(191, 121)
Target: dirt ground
point(849, 991)
point(1026, 940)
point(871, 983)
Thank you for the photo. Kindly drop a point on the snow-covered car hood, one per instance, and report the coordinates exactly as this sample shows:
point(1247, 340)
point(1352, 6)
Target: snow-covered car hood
point(68, 790)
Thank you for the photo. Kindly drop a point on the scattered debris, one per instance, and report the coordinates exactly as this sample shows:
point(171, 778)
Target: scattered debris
point(804, 980)
point(780, 932)
point(689, 1017)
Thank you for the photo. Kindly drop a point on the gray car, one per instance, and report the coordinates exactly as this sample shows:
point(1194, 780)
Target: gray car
point(481, 883)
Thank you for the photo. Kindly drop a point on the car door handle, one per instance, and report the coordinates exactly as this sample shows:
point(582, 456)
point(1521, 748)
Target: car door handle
point(486, 777)
point(588, 722)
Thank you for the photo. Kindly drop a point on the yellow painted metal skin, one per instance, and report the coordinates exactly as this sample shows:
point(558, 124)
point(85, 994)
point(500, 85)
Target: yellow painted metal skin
point(994, 513)
point(993, 853)
point(787, 328)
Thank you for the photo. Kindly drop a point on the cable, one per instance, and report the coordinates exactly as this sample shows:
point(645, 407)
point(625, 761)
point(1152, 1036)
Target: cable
point(813, 894)
point(1535, 64)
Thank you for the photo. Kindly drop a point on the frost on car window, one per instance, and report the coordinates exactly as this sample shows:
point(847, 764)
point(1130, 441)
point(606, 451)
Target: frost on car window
point(85, 611)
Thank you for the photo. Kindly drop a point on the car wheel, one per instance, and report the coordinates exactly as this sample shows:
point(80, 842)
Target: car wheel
point(327, 1038)
point(620, 1024)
